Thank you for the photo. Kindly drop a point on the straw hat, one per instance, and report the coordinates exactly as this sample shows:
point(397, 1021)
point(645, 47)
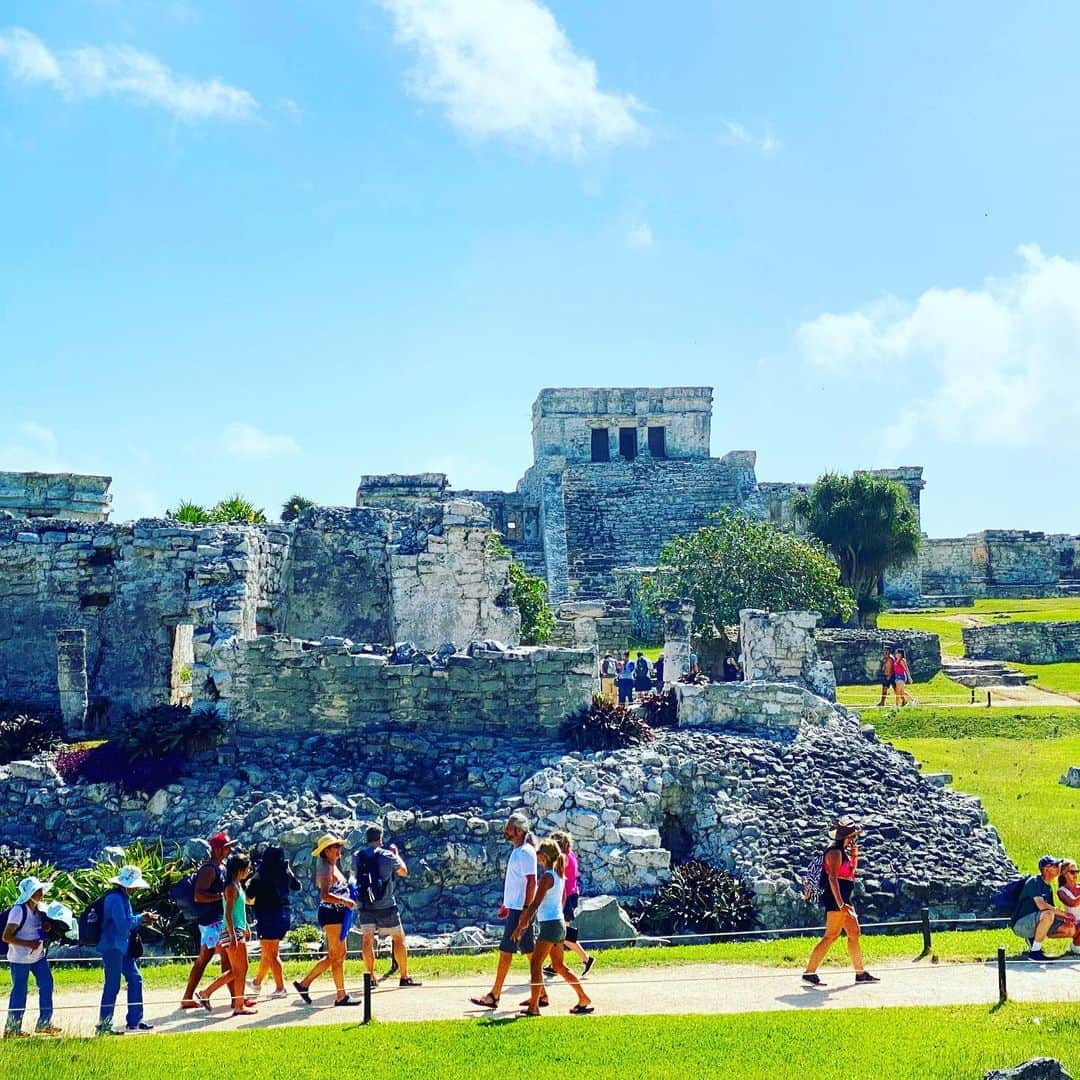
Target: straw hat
point(325, 841)
point(130, 877)
point(30, 885)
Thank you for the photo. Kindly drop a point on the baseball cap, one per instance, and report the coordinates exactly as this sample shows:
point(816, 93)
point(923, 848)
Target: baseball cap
point(221, 839)
point(1048, 860)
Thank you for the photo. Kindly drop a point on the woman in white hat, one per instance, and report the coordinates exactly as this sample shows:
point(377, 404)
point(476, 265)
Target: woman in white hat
point(24, 935)
point(334, 903)
point(118, 925)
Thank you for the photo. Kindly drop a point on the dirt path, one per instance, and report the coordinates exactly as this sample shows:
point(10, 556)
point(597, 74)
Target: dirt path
point(713, 988)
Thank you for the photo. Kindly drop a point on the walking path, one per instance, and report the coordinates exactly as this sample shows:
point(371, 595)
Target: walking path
point(700, 988)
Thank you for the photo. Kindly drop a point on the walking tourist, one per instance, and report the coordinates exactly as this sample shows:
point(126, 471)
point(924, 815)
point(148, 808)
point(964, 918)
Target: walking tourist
point(839, 864)
point(519, 887)
point(208, 890)
point(547, 906)
point(234, 939)
point(625, 680)
point(1068, 892)
point(658, 673)
point(334, 904)
point(1035, 918)
point(571, 896)
point(121, 946)
point(24, 935)
point(887, 682)
point(375, 867)
point(642, 678)
point(270, 891)
point(609, 669)
point(901, 675)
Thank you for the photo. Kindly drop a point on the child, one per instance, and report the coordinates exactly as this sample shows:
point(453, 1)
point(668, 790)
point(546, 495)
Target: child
point(234, 940)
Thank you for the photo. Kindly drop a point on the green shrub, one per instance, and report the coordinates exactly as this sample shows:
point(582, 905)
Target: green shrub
point(237, 509)
point(699, 899)
point(189, 513)
point(302, 935)
point(603, 726)
point(294, 506)
point(171, 729)
point(22, 735)
point(16, 864)
point(660, 709)
point(528, 593)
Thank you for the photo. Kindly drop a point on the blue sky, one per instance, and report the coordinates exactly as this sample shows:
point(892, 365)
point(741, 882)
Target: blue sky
point(271, 247)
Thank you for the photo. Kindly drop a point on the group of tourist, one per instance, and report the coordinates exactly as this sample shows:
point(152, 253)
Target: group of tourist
point(623, 680)
point(1035, 917)
point(895, 672)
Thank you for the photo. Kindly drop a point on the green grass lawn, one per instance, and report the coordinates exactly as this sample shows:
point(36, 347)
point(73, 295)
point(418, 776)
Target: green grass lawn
point(954, 1043)
point(1028, 722)
point(936, 691)
point(1062, 678)
point(1017, 782)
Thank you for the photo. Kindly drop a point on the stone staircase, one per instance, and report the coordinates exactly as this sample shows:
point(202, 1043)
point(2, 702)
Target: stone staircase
point(979, 673)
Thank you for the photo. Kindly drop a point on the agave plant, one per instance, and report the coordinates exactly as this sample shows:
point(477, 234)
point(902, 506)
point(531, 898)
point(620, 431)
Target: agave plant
point(190, 513)
point(237, 509)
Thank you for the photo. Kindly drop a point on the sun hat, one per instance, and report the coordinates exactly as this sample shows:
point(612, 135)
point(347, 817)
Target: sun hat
point(843, 828)
point(61, 913)
point(30, 885)
point(1048, 860)
point(130, 877)
point(221, 839)
point(325, 841)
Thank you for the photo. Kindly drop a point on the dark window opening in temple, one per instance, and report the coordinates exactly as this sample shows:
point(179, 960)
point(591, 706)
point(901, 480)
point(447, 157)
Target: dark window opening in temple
point(657, 447)
point(628, 442)
point(601, 449)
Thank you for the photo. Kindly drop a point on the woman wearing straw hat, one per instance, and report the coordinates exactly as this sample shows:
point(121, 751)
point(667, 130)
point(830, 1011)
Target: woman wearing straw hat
point(24, 935)
point(334, 904)
point(838, 866)
point(118, 926)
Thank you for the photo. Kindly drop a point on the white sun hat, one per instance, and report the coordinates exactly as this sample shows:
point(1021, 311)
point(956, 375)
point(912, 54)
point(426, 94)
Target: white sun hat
point(61, 913)
point(130, 877)
point(30, 885)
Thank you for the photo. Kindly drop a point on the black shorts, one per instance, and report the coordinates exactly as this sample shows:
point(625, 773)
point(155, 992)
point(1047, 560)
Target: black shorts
point(272, 924)
point(524, 944)
point(569, 908)
point(330, 914)
point(888, 684)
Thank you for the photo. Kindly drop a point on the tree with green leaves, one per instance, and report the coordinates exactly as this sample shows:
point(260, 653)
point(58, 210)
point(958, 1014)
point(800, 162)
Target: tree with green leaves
point(738, 562)
point(294, 506)
point(868, 524)
point(528, 593)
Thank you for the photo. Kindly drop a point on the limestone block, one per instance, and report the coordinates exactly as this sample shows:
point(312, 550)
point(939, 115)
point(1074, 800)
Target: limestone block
point(1072, 777)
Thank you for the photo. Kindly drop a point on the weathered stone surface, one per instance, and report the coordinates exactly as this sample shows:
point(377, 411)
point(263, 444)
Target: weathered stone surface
point(856, 654)
point(780, 646)
point(69, 496)
point(600, 918)
point(1042, 1068)
point(1024, 642)
point(1072, 777)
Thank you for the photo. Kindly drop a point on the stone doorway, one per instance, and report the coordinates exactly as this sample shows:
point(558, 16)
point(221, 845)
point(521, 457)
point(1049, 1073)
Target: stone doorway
point(183, 659)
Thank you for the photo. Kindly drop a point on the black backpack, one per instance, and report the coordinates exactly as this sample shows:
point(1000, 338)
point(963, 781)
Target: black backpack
point(369, 884)
point(4, 916)
point(1006, 898)
point(641, 667)
point(90, 922)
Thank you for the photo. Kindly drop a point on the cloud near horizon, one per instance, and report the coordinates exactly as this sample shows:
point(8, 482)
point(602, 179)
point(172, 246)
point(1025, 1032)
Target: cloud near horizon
point(505, 68)
point(95, 71)
point(995, 365)
point(247, 441)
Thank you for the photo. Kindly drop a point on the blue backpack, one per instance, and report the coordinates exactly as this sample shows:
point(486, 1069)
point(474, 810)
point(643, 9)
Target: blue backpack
point(1006, 897)
point(90, 922)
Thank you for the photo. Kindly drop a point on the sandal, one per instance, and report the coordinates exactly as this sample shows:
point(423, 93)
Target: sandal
point(543, 1003)
point(488, 1001)
point(245, 1012)
point(303, 992)
point(529, 1012)
point(203, 1001)
point(581, 1010)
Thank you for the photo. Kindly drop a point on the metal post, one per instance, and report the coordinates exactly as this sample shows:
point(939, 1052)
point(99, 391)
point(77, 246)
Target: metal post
point(988, 699)
point(973, 695)
point(924, 914)
point(367, 996)
point(1003, 993)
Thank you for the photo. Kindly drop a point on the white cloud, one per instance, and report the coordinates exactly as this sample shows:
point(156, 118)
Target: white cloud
point(290, 109)
point(506, 68)
point(736, 134)
point(35, 449)
point(93, 71)
point(247, 441)
point(638, 235)
point(992, 365)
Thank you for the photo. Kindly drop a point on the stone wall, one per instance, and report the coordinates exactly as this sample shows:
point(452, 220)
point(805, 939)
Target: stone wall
point(1024, 642)
point(750, 707)
point(275, 690)
point(621, 513)
point(47, 495)
point(603, 625)
point(996, 562)
point(856, 654)
point(779, 646)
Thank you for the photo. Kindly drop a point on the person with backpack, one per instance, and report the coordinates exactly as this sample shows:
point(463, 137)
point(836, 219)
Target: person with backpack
point(120, 949)
point(207, 888)
point(642, 678)
point(375, 867)
point(609, 669)
point(335, 907)
point(270, 891)
point(1035, 918)
point(887, 682)
point(234, 939)
point(835, 884)
point(625, 680)
point(24, 943)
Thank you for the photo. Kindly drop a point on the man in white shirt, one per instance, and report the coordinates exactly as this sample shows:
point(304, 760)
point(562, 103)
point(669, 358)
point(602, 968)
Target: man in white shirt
point(519, 887)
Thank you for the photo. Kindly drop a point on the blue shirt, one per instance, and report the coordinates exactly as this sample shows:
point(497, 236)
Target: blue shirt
point(117, 922)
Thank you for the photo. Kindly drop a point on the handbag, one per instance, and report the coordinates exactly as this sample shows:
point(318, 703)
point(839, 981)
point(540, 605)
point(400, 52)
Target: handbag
point(135, 944)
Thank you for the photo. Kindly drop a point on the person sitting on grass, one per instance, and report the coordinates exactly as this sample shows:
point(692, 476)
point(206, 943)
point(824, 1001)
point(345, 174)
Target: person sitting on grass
point(547, 906)
point(1035, 918)
point(234, 939)
point(1068, 892)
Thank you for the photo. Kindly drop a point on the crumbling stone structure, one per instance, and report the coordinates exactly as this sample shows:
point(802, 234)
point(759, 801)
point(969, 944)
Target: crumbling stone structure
point(61, 495)
point(1024, 642)
point(856, 654)
point(780, 647)
point(603, 625)
point(995, 563)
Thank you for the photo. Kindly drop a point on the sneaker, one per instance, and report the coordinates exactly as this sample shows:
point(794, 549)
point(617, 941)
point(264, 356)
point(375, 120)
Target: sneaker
point(106, 1029)
point(1039, 956)
point(15, 1033)
point(346, 1000)
point(549, 971)
point(866, 977)
point(278, 993)
point(140, 1026)
point(589, 961)
point(812, 978)
point(47, 1029)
